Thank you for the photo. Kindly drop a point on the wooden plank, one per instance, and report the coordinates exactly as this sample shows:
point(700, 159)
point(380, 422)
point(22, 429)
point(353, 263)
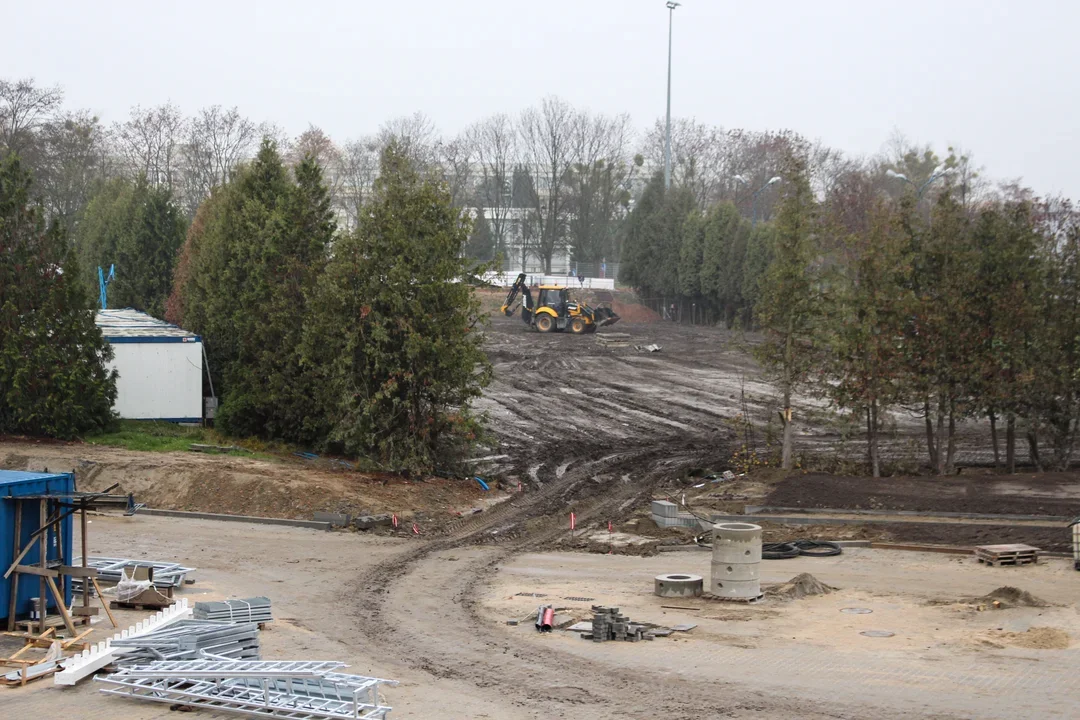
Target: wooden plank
point(15, 553)
point(81, 611)
point(97, 589)
point(60, 605)
point(43, 553)
point(915, 547)
point(35, 570)
point(68, 643)
point(76, 571)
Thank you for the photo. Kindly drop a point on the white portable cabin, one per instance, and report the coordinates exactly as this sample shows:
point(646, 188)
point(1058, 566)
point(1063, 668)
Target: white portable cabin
point(160, 367)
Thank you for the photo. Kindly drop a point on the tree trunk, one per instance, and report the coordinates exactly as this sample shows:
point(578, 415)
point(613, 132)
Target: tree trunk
point(872, 438)
point(994, 439)
point(930, 446)
point(1033, 449)
point(1010, 444)
point(950, 458)
point(941, 441)
point(787, 459)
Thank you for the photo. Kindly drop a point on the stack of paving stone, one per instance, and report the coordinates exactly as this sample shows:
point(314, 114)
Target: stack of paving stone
point(608, 624)
point(251, 610)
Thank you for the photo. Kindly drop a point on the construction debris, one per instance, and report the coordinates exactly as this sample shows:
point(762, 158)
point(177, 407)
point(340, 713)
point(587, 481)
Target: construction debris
point(613, 340)
point(298, 689)
point(1007, 597)
point(649, 348)
point(164, 574)
point(545, 618)
point(1013, 554)
point(800, 586)
point(251, 610)
point(608, 624)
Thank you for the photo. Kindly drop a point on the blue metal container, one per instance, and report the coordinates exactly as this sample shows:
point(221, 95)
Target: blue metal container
point(25, 485)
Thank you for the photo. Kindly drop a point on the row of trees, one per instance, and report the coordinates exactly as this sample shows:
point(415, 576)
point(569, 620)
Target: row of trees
point(367, 350)
point(944, 303)
point(53, 379)
point(546, 180)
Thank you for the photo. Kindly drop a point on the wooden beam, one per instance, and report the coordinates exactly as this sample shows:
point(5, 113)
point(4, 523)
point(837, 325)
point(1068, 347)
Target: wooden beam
point(15, 551)
point(60, 606)
point(43, 554)
point(97, 589)
point(76, 571)
point(35, 570)
point(81, 611)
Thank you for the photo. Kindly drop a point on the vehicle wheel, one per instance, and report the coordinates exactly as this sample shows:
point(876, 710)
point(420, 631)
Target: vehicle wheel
point(545, 323)
point(577, 326)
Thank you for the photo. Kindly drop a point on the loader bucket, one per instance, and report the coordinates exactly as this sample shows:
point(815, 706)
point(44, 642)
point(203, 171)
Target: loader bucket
point(605, 316)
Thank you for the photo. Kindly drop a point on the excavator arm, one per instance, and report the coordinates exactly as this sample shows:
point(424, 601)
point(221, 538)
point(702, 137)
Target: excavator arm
point(520, 287)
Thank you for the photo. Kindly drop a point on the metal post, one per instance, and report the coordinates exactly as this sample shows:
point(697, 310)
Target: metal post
point(667, 142)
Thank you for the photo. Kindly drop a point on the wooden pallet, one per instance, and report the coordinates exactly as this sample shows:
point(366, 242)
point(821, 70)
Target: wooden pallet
point(1004, 555)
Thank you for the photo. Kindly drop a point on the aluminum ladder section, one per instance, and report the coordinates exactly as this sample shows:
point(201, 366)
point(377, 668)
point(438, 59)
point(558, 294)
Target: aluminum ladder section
point(298, 690)
point(213, 669)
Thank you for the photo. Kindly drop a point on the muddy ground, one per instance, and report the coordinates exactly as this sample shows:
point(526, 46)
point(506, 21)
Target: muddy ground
point(1020, 494)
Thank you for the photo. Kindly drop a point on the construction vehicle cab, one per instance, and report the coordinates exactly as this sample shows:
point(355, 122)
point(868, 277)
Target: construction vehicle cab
point(555, 310)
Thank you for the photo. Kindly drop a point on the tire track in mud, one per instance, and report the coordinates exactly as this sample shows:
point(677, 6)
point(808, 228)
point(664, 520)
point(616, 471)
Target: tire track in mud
point(424, 612)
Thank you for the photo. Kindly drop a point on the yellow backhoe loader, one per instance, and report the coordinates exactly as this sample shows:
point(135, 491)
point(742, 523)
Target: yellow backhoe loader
point(555, 310)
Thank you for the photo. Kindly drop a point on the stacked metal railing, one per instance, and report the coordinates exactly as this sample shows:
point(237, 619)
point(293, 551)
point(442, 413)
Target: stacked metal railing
point(295, 689)
point(191, 639)
point(111, 570)
point(256, 610)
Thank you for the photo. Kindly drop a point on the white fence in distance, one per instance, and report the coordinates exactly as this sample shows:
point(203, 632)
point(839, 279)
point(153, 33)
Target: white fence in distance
point(506, 279)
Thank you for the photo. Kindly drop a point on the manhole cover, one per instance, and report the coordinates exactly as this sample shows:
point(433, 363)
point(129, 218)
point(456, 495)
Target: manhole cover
point(856, 611)
point(877, 633)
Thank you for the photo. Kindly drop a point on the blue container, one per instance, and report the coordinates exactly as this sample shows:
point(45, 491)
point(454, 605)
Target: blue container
point(24, 484)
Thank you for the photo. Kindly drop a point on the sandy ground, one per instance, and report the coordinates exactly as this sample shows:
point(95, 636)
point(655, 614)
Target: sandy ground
point(437, 623)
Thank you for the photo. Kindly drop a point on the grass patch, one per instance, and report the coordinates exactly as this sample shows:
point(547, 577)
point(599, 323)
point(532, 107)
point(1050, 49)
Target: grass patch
point(156, 436)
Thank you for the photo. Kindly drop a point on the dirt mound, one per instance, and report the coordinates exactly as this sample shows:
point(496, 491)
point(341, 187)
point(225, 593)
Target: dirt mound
point(1008, 596)
point(798, 587)
point(634, 313)
point(1036, 638)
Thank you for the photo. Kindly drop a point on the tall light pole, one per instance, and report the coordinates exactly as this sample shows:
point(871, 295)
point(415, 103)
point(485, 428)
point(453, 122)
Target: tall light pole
point(938, 173)
point(753, 197)
point(667, 140)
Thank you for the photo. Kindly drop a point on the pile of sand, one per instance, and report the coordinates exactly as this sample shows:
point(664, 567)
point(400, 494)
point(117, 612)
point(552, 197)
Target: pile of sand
point(1007, 597)
point(1036, 638)
point(798, 587)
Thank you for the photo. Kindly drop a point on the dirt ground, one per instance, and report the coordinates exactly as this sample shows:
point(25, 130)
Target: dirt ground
point(1021, 494)
point(434, 617)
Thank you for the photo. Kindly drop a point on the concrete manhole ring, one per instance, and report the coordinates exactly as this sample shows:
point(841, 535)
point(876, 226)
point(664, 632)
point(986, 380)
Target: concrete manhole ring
point(877, 633)
point(678, 585)
point(856, 611)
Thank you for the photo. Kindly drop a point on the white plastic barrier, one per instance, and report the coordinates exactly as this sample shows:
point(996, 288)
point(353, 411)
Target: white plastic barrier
point(93, 659)
point(506, 279)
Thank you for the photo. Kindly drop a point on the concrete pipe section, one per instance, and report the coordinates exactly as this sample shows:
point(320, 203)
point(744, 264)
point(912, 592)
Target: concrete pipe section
point(678, 586)
point(736, 561)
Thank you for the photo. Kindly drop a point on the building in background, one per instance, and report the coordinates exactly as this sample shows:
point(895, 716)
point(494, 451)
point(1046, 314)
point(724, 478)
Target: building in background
point(160, 367)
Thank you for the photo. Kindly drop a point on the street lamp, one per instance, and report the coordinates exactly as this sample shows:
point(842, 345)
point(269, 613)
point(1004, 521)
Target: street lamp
point(753, 197)
point(667, 142)
point(937, 173)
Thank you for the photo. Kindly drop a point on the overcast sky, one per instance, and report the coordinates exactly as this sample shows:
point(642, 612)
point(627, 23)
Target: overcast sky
point(996, 77)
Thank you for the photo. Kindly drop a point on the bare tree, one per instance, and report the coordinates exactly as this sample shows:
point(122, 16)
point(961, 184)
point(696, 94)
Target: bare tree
point(24, 107)
point(72, 159)
point(216, 141)
point(598, 185)
point(358, 166)
point(456, 160)
point(547, 142)
point(495, 143)
point(416, 136)
point(149, 143)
